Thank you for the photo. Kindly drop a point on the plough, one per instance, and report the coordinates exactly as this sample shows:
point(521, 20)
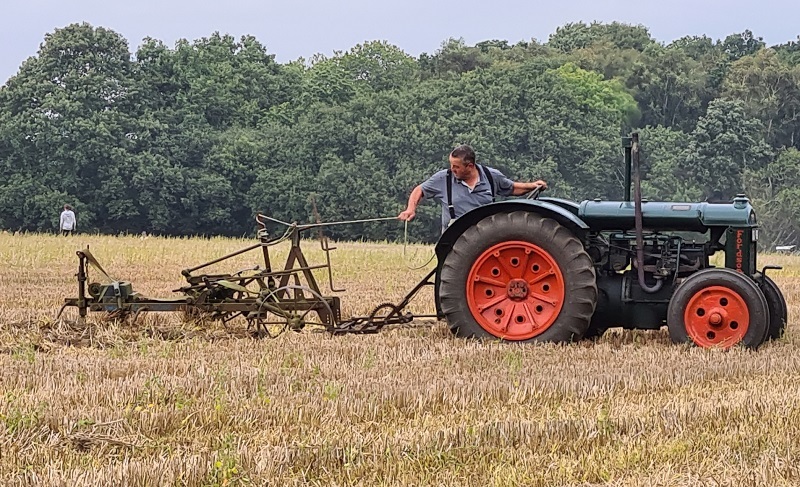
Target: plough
point(271, 300)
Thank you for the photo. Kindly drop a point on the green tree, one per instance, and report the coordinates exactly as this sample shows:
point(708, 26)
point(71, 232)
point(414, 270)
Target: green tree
point(725, 144)
point(379, 65)
point(229, 82)
point(671, 88)
point(770, 91)
point(712, 60)
point(453, 59)
point(71, 120)
point(737, 46)
point(328, 82)
point(789, 52)
point(574, 118)
point(663, 154)
point(199, 137)
point(618, 35)
point(774, 190)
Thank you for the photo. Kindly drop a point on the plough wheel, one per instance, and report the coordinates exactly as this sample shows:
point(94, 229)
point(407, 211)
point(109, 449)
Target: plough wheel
point(718, 308)
point(519, 277)
point(275, 313)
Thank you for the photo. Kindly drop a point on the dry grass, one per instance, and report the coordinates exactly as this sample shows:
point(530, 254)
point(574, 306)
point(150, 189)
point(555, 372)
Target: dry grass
point(171, 403)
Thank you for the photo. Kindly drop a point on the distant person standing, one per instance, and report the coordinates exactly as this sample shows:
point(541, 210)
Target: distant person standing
point(68, 221)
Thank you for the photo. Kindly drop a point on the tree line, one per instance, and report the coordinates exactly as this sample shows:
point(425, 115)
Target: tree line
point(199, 137)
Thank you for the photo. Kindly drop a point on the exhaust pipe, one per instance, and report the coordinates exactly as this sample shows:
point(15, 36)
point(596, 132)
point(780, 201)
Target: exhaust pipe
point(637, 202)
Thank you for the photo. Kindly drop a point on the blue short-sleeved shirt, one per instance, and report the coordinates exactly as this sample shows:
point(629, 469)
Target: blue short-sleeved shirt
point(465, 199)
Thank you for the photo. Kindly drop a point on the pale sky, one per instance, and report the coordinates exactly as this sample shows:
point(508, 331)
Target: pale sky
point(300, 28)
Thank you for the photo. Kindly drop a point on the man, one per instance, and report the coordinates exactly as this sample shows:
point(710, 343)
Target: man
point(471, 186)
point(68, 221)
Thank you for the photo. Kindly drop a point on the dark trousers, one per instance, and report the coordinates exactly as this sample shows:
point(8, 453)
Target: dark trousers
point(65, 233)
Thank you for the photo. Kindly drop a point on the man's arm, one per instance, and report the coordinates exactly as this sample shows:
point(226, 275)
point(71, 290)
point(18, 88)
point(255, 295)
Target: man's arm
point(411, 210)
point(507, 187)
point(432, 188)
point(520, 188)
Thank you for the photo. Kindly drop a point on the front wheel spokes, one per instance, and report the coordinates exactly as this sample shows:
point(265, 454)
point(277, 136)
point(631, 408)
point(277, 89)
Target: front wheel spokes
point(292, 313)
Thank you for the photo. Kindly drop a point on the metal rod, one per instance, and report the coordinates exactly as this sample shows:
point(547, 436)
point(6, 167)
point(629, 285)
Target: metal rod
point(271, 219)
point(348, 222)
point(295, 270)
point(323, 243)
point(267, 243)
point(265, 249)
point(677, 262)
point(424, 282)
point(334, 289)
point(186, 272)
point(308, 226)
point(82, 285)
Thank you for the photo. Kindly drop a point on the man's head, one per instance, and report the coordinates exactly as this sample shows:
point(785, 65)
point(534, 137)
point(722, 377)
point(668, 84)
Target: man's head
point(462, 161)
point(67, 207)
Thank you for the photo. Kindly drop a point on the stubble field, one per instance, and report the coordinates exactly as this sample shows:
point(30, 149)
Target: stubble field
point(168, 402)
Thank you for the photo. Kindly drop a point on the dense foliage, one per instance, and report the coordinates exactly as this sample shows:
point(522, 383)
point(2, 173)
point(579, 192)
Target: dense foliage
point(198, 138)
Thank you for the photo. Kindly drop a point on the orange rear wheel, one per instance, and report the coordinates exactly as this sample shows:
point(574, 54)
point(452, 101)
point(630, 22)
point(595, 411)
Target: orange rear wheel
point(519, 277)
point(515, 290)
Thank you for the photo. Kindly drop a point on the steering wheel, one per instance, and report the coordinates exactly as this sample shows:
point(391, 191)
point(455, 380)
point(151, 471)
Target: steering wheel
point(534, 193)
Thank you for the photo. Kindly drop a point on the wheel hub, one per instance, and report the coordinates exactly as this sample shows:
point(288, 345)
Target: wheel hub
point(517, 289)
point(716, 318)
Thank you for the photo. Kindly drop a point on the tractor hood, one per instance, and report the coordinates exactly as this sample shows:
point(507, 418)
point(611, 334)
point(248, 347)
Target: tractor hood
point(660, 215)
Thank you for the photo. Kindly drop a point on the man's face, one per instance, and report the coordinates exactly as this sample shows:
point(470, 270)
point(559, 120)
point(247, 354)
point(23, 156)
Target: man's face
point(460, 168)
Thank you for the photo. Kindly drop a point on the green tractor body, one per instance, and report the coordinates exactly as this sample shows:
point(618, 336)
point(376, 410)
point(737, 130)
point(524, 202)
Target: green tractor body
point(549, 269)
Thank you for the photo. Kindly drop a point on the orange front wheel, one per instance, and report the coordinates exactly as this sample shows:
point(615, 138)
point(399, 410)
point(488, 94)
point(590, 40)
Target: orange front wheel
point(718, 308)
point(716, 316)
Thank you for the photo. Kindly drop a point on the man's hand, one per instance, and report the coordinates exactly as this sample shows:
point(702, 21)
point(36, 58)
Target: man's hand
point(407, 215)
point(523, 188)
point(413, 200)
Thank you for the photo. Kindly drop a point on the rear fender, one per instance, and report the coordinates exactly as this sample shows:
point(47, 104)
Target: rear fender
point(461, 224)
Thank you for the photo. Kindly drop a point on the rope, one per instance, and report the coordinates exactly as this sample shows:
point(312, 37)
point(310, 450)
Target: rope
point(405, 244)
point(366, 220)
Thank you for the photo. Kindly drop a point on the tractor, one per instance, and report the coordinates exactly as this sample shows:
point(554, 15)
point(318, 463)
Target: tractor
point(549, 269)
point(530, 269)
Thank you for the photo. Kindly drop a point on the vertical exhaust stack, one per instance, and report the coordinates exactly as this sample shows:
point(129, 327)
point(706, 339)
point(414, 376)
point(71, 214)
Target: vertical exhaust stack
point(627, 144)
point(638, 217)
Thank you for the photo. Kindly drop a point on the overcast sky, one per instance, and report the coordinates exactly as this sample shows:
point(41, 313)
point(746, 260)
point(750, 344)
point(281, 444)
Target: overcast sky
point(300, 28)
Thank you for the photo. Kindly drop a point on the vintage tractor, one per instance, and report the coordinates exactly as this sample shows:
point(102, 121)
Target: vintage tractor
point(524, 270)
point(547, 269)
